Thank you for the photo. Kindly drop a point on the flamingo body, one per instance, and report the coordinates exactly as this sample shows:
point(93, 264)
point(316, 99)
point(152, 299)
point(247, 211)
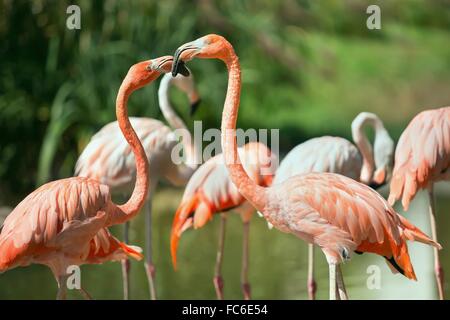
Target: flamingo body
point(323, 154)
point(422, 156)
point(108, 158)
point(342, 216)
point(62, 223)
point(211, 191)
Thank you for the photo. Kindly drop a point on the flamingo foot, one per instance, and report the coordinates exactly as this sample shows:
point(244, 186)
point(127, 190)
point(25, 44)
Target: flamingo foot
point(439, 272)
point(312, 289)
point(218, 285)
point(246, 291)
point(151, 274)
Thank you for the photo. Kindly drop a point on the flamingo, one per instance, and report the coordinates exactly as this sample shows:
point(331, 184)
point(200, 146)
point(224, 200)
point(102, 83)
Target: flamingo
point(210, 191)
point(107, 158)
point(338, 155)
point(337, 213)
point(64, 222)
point(422, 158)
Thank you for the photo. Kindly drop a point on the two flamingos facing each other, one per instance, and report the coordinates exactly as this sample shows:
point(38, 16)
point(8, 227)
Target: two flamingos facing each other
point(336, 213)
point(338, 155)
point(422, 158)
point(211, 191)
point(64, 222)
point(108, 159)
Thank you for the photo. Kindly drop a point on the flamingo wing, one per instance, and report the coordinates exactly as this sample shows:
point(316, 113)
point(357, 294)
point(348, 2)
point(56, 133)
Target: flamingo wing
point(342, 216)
point(105, 247)
point(422, 155)
point(59, 217)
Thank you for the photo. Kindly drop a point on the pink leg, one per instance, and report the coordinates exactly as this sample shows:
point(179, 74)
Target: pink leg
point(245, 257)
point(149, 266)
point(126, 265)
point(62, 288)
point(218, 280)
point(439, 272)
point(312, 287)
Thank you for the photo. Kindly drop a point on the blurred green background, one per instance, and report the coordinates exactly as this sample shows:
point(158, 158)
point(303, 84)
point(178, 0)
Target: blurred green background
point(308, 68)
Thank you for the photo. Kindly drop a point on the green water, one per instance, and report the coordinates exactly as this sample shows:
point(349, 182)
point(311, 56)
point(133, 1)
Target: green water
point(277, 263)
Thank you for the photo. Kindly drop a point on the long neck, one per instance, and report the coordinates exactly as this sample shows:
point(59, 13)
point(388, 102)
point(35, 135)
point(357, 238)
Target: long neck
point(128, 210)
point(190, 146)
point(254, 193)
point(363, 144)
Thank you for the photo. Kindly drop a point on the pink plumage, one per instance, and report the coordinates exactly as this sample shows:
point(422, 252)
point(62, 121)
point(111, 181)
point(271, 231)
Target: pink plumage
point(422, 155)
point(54, 226)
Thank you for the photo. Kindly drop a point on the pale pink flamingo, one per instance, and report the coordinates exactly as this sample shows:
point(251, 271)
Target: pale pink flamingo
point(108, 159)
point(210, 191)
point(337, 213)
point(422, 158)
point(338, 155)
point(64, 222)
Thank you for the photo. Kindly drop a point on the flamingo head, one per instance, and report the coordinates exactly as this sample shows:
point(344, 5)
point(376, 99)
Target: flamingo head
point(384, 157)
point(211, 46)
point(144, 72)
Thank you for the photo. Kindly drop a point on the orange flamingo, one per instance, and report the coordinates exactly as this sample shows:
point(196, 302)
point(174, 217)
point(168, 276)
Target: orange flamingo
point(108, 159)
point(210, 191)
point(338, 155)
point(334, 212)
point(422, 158)
point(64, 222)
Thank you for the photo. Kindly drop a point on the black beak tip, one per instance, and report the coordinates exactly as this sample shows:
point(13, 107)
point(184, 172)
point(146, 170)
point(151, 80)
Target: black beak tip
point(180, 67)
point(376, 186)
point(194, 107)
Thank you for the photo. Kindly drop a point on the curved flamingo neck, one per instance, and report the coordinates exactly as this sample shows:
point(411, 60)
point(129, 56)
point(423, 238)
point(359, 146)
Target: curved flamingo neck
point(191, 147)
point(363, 144)
point(129, 209)
point(254, 193)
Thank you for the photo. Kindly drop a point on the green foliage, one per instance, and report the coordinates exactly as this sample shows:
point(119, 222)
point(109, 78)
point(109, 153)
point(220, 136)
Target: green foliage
point(308, 68)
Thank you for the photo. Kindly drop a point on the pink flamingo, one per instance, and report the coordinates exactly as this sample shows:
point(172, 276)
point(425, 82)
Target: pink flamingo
point(210, 191)
point(338, 155)
point(338, 214)
point(421, 159)
point(108, 159)
point(64, 222)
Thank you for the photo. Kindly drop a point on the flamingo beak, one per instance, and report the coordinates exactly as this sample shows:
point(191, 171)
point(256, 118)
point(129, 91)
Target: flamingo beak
point(183, 53)
point(194, 107)
point(379, 179)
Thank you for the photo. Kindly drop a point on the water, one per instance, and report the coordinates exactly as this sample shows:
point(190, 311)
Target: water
point(277, 263)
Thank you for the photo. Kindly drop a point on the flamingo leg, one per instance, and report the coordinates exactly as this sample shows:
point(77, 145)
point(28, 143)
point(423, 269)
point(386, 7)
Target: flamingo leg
point(85, 294)
point(245, 257)
point(340, 284)
point(62, 288)
point(149, 266)
point(312, 287)
point(126, 264)
point(439, 272)
point(333, 284)
point(218, 280)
